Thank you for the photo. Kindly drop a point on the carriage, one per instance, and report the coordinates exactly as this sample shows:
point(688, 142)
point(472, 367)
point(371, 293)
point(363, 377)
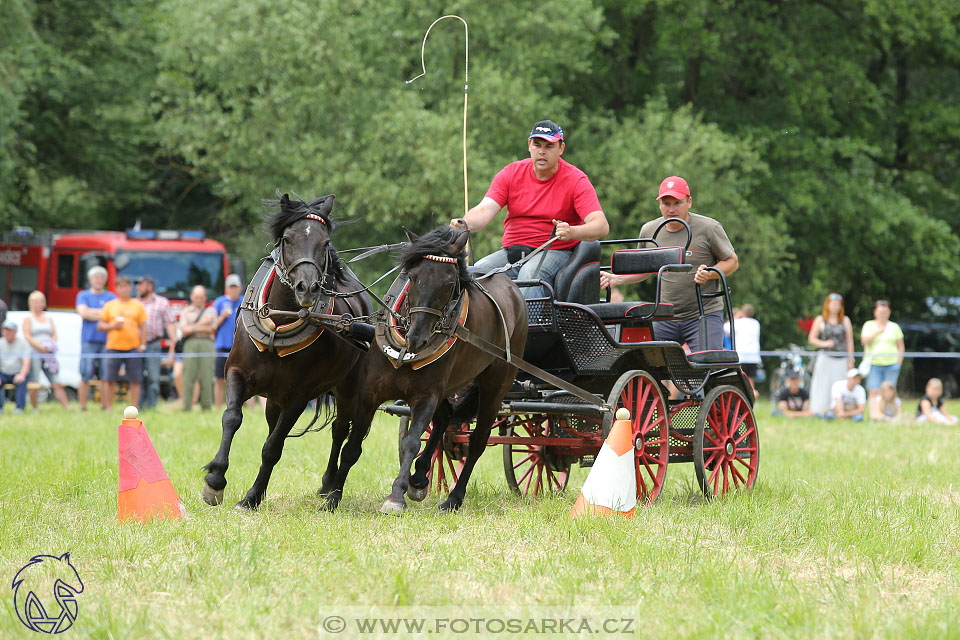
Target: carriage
point(582, 361)
point(601, 357)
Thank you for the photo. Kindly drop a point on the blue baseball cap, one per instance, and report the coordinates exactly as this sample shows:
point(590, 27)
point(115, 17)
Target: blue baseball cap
point(548, 130)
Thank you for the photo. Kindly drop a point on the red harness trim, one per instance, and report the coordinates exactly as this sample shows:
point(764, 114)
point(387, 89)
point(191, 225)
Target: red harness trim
point(313, 216)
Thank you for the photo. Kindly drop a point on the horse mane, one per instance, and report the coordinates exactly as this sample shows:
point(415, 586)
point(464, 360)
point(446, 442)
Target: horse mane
point(282, 217)
point(438, 242)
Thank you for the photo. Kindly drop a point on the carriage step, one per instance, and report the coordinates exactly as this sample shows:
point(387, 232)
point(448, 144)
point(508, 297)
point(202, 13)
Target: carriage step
point(587, 461)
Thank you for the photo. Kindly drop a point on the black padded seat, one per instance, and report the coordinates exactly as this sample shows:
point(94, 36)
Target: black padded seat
point(613, 311)
point(714, 357)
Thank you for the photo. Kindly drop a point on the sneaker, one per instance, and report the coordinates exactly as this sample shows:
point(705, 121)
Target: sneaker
point(18, 411)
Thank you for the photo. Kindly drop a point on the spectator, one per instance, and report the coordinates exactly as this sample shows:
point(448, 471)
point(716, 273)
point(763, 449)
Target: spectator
point(125, 321)
point(793, 401)
point(160, 322)
point(225, 308)
point(92, 340)
point(882, 342)
point(3, 311)
point(848, 397)
point(931, 408)
point(196, 326)
point(727, 342)
point(746, 329)
point(887, 408)
point(14, 366)
point(832, 333)
point(41, 333)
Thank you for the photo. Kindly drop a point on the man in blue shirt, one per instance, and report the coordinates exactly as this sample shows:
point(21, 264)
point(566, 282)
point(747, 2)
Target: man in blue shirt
point(226, 308)
point(92, 340)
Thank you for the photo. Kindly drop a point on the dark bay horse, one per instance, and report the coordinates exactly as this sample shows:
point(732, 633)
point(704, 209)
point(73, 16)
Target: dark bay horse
point(306, 264)
point(435, 266)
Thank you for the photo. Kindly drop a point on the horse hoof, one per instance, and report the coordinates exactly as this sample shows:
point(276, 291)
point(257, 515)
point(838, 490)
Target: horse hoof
point(447, 507)
point(329, 503)
point(244, 506)
point(416, 494)
point(392, 508)
point(210, 495)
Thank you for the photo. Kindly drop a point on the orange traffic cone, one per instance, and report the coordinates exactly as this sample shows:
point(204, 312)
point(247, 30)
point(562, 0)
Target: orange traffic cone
point(145, 490)
point(611, 487)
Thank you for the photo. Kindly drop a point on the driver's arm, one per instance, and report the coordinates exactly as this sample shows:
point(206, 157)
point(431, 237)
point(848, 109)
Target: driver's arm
point(480, 216)
point(594, 227)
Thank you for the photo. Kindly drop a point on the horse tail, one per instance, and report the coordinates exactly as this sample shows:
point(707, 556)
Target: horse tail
point(328, 420)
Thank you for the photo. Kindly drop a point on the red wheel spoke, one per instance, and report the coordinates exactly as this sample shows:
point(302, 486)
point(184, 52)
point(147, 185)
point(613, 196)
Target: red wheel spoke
point(749, 432)
point(529, 457)
point(526, 475)
point(736, 475)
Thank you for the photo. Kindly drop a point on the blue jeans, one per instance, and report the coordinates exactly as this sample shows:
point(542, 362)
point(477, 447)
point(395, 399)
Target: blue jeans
point(151, 368)
point(20, 391)
point(87, 349)
point(531, 269)
point(878, 375)
point(689, 331)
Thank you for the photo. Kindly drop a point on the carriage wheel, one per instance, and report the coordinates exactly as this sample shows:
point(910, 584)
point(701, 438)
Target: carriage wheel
point(444, 468)
point(725, 444)
point(531, 468)
point(640, 393)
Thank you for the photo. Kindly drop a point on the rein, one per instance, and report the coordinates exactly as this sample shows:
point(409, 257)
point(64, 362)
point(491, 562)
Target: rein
point(519, 263)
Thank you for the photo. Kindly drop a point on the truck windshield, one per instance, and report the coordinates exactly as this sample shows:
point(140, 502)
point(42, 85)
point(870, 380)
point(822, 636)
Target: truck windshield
point(175, 272)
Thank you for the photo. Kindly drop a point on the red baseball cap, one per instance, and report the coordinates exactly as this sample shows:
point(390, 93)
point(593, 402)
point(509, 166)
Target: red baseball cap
point(675, 187)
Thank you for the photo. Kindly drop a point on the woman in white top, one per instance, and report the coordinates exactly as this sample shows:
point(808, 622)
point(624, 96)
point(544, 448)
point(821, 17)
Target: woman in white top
point(39, 331)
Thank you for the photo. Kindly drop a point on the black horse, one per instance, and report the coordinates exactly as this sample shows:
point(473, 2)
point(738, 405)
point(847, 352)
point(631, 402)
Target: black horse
point(306, 264)
point(439, 284)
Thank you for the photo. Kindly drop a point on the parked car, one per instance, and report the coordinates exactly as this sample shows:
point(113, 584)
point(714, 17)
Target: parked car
point(936, 331)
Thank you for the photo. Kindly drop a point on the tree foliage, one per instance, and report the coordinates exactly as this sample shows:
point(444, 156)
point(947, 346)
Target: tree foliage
point(824, 135)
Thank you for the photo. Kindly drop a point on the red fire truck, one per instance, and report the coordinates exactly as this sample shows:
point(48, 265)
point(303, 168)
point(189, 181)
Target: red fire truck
point(57, 263)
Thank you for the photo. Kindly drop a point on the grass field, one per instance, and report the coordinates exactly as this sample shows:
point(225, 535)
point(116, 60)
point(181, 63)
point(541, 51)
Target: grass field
point(852, 531)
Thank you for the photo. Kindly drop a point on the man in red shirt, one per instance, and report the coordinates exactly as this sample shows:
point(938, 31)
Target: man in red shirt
point(541, 193)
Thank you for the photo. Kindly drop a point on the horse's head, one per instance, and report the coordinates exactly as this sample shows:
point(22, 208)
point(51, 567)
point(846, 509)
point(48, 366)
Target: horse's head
point(436, 266)
point(301, 234)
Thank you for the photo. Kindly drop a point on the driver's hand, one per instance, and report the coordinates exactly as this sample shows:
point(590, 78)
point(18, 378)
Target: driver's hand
point(563, 229)
point(459, 223)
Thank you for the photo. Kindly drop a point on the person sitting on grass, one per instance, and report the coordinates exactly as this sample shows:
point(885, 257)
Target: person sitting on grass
point(848, 398)
point(931, 408)
point(793, 401)
point(887, 405)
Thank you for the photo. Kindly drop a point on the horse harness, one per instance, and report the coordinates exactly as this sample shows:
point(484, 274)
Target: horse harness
point(392, 344)
point(391, 331)
point(304, 326)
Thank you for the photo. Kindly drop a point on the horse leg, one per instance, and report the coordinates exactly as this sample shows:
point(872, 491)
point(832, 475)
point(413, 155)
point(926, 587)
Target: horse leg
point(362, 418)
point(486, 414)
point(215, 480)
point(338, 433)
point(421, 412)
point(419, 483)
point(271, 452)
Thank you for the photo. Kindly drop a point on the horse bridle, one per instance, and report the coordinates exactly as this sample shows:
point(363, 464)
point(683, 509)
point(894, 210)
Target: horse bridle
point(445, 318)
point(283, 269)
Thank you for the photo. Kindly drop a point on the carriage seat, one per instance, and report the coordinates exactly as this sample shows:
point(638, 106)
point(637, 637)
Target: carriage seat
point(624, 311)
point(718, 356)
point(579, 279)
